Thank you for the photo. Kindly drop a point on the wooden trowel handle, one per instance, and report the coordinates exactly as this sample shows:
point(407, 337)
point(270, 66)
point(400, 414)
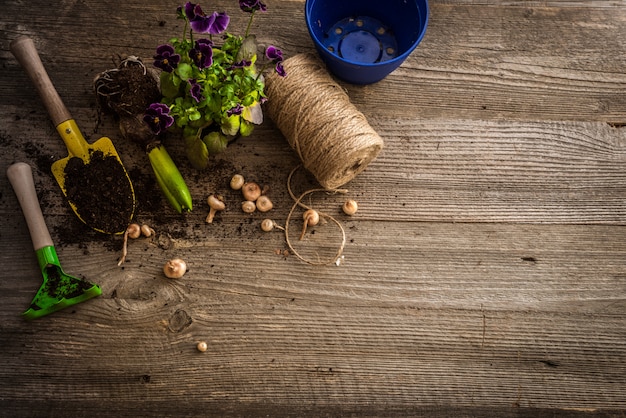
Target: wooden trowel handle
point(21, 178)
point(23, 48)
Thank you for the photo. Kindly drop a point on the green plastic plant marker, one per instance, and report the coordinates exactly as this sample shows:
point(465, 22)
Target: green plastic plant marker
point(58, 290)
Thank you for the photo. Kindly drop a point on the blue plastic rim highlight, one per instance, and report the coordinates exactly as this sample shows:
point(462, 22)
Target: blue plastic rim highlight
point(362, 41)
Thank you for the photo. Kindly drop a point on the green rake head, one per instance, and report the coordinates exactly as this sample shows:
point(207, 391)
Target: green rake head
point(58, 290)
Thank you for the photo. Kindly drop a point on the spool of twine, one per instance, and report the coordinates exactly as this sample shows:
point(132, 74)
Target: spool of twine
point(331, 136)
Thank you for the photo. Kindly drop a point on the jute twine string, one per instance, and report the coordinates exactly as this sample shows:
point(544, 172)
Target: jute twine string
point(298, 203)
point(332, 138)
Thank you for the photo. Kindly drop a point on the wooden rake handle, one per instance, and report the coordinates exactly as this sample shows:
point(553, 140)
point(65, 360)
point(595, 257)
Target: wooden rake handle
point(24, 50)
point(21, 178)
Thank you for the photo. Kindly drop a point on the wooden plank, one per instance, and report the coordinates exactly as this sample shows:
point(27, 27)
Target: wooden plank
point(483, 274)
point(539, 267)
point(503, 62)
point(456, 325)
point(498, 62)
point(434, 170)
point(465, 170)
point(533, 3)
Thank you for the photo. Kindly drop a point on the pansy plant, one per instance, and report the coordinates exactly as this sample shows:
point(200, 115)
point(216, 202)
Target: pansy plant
point(212, 89)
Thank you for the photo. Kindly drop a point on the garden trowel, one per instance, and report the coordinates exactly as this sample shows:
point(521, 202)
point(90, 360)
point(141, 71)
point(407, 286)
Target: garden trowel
point(114, 216)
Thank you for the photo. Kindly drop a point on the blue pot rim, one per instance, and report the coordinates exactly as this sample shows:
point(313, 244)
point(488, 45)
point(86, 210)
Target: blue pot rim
point(400, 58)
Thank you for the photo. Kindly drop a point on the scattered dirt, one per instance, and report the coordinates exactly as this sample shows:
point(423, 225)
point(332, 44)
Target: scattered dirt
point(151, 206)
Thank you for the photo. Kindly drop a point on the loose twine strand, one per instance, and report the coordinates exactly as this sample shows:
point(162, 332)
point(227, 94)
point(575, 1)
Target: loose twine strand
point(332, 138)
point(298, 203)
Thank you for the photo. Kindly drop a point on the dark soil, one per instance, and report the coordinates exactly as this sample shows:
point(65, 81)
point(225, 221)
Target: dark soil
point(101, 192)
point(126, 92)
point(61, 285)
point(151, 206)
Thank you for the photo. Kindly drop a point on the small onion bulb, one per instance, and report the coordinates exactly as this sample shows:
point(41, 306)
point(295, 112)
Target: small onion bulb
point(237, 182)
point(264, 204)
point(133, 231)
point(350, 207)
point(216, 204)
point(147, 231)
point(311, 218)
point(175, 268)
point(248, 206)
point(251, 191)
point(267, 225)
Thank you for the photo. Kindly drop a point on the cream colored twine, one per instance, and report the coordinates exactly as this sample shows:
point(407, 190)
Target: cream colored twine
point(298, 203)
point(332, 138)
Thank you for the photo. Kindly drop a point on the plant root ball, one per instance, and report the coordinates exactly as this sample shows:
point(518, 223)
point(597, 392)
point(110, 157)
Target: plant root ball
point(126, 92)
point(127, 89)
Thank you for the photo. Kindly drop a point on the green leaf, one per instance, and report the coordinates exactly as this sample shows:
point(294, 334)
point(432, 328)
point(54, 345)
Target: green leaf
point(184, 71)
point(169, 85)
point(197, 152)
point(246, 128)
point(248, 100)
point(210, 80)
point(215, 142)
point(215, 105)
point(169, 179)
point(227, 91)
point(230, 125)
point(193, 114)
point(190, 132)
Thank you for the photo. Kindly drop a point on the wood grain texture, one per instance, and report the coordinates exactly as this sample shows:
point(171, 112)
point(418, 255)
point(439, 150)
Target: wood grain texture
point(484, 274)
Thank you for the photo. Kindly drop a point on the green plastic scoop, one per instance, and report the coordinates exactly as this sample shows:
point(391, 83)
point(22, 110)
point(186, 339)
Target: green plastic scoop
point(58, 290)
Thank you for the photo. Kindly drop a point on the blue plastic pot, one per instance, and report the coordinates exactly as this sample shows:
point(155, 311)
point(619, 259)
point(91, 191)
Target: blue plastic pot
point(362, 41)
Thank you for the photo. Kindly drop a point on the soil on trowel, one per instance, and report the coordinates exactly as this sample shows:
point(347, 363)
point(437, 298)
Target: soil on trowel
point(101, 192)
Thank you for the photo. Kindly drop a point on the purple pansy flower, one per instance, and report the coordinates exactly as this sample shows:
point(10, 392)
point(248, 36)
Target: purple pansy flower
point(195, 90)
point(280, 70)
point(220, 23)
point(166, 58)
point(189, 11)
point(202, 53)
point(252, 5)
point(237, 110)
point(200, 22)
point(275, 55)
point(158, 117)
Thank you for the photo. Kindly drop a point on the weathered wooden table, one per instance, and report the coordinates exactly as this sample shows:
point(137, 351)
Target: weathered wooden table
point(484, 274)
